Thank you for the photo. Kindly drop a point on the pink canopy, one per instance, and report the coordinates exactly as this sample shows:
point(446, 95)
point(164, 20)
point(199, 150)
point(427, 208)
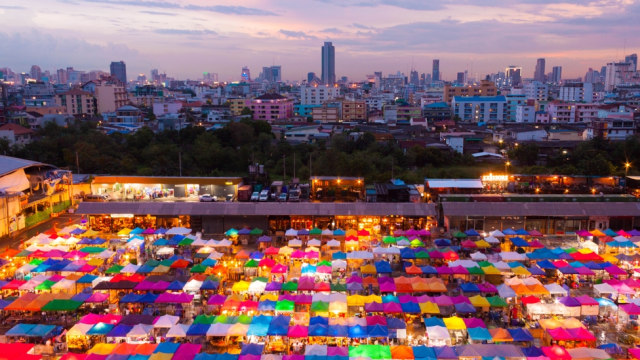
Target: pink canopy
point(392, 308)
point(97, 297)
point(337, 351)
point(474, 323)
point(581, 334)
point(298, 331)
point(306, 283)
point(279, 269)
point(297, 254)
point(181, 298)
point(560, 334)
point(631, 309)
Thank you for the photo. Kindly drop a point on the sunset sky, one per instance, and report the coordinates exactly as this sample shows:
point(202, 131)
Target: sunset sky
point(188, 37)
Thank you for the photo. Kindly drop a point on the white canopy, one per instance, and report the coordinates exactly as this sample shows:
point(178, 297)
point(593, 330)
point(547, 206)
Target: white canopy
point(178, 330)
point(319, 350)
point(581, 353)
point(140, 330)
point(166, 321)
point(130, 269)
point(590, 245)
point(320, 297)
point(295, 243)
point(496, 233)
point(338, 264)
point(291, 232)
point(501, 265)
point(438, 333)
point(315, 242)
point(257, 287)
point(555, 289)
point(164, 251)
point(64, 284)
point(178, 231)
point(199, 242)
point(464, 263)
point(218, 329)
point(531, 281)
point(192, 285)
point(327, 232)
point(604, 288)
point(404, 242)
point(79, 329)
point(505, 291)
point(512, 256)
point(492, 240)
point(478, 256)
point(360, 255)
point(333, 243)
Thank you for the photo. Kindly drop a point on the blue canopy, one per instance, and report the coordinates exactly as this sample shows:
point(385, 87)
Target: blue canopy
point(279, 325)
point(520, 334)
point(131, 298)
point(479, 334)
point(410, 307)
point(81, 297)
point(407, 253)
point(522, 232)
point(472, 232)
point(469, 287)
point(198, 329)
point(593, 265)
point(442, 242)
point(383, 267)
point(166, 348)
point(319, 320)
point(546, 264)
point(338, 331)
point(465, 308)
point(121, 330)
point(339, 255)
point(267, 305)
point(209, 285)
point(318, 330)
point(259, 325)
point(252, 349)
point(175, 285)
point(357, 332)
point(395, 323)
point(100, 329)
point(520, 242)
point(428, 269)
point(534, 270)
point(423, 352)
point(433, 321)
point(509, 232)
point(20, 330)
point(377, 331)
point(532, 351)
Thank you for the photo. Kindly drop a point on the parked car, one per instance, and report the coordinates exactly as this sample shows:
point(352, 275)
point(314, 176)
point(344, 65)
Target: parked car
point(207, 198)
point(294, 195)
point(255, 196)
point(282, 197)
point(96, 198)
point(264, 195)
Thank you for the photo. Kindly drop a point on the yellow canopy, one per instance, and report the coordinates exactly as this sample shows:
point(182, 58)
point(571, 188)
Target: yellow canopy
point(351, 232)
point(479, 301)
point(538, 289)
point(161, 356)
point(572, 323)
point(95, 262)
point(549, 323)
point(373, 298)
point(490, 270)
point(610, 258)
point(102, 348)
point(285, 250)
point(90, 233)
point(240, 286)
point(454, 323)
point(124, 232)
point(270, 297)
point(368, 269)
point(597, 232)
point(482, 244)
point(355, 300)
point(519, 270)
point(429, 308)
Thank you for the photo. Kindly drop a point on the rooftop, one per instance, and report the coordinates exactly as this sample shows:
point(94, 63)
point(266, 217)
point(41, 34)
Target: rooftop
point(479, 98)
point(17, 129)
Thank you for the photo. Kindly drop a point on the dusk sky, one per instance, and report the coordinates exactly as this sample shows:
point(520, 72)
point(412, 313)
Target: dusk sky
point(188, 37)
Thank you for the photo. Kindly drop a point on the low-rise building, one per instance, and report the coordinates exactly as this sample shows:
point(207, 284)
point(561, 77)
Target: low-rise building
point(485, 88)
point(77, 102)
point(271, 107)
point(354, 110)
point(327, 113)
point(475, 109)
point(16, 134)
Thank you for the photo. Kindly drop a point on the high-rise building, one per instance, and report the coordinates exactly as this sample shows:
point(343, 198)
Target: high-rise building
point(435, 71)
point(513, 75)
point(460, 78)
point(328, 63)
point(414, 78)
point(556, 75)
point(539, 74)
point(119, 71)
point(272, 74)
point(310, 76)
point(245, 76)
point(633, 59)
point(36, 73)
point(61, 76)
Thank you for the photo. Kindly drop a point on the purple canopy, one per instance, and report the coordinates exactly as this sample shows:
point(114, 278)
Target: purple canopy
point(460, 299)
point(354, 286)
point(487, 288)
point(373, 307)
point(306, 283)
point(217, 299)
point(273, 286)
point(337, 351)
point(569, 301)
point(172, 298)
point(354, 279)
point(149, 231)
point(443, 300)
point(264, 238)
point(474, 323)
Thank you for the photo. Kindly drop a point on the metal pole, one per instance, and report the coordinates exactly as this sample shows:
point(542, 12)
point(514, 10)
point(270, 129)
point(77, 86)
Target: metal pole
point(180, 161)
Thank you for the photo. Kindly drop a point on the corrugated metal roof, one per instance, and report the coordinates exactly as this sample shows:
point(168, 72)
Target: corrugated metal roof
point(9, 164)
point(454, 183)
point(541, 209)
point(258, 209)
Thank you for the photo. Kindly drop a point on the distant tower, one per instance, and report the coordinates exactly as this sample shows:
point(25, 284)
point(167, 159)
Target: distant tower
point(513, 75)
point(460, 78)
point(119, 71)
point(246, 74)
point(436, 70)
point(633, 59)
point(310, 76)
point(539, 73)
point(328, 63)
point(36, 73)
point(556, 75)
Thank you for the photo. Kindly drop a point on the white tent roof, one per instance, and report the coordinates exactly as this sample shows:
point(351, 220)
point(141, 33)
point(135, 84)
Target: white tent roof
point(505, 291)
point(315, 242)
point(604, 288)
point(438, 333)
point(79, 329)
point(327, 232)
point(178, 231)
point(588, 353)
point(130, 269)
point(319, 350)
point(295, 243)
point(177, 330)
point(590, 245)
point(166, 321)
point(218, 329)
point(338, 264)
point(192, 285)
point(496, 233)
point(512, 256)
point(63, 284)
point(164, 251)
point(140, 330)
point(360, 255)
point(291, 232)
point(555, 289)
point(478, 256)
point(333, 243)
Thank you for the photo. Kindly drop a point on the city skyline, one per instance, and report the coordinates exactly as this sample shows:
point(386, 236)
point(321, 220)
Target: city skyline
point(383, 35)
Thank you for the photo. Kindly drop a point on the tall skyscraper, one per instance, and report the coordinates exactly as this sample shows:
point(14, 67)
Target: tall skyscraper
point(633, 59)
point(272, 74)
point(513, 75)
point(36, 73)
point(119, 71)
point(328, 63)
point(245, 76)
point(460, 78)
point(435, 71)
point(556, 75)
point(539, 74)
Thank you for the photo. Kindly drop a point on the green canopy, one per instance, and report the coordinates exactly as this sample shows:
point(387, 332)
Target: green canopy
point(115, 269)
point(484, 263)
point(251, 264)
point(416, 243)
point(290, 286)
point(166, 262)
point(570, 250)
point(401, 238)
point(338, 287)
point(318, 306)
point(152, 263)
point(323, 263)
point(256, 231)
point(261, 279)
point(198, 269)
point(185, 242)
point(497, 301)
point(220, 319)
point(62, 305)
point(460, 235)
point(231, 232)
point(205, 319)
point(389, 240)
point(422, 255)
point(245, 319)
point(92, 249)
point(475, 271)
point(45, 285)
point(36, 262)
point(376, 352)
point(285, 305)
point(315, 231)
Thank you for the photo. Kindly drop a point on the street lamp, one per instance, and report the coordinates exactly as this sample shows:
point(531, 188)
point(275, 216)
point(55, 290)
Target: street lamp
point(627, 165)
point(506, 166)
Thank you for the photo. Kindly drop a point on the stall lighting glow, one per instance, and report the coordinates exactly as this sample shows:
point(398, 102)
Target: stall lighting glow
point(492, 177)
point(122, 216)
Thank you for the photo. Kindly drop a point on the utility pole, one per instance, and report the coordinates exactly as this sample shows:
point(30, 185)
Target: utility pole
point(180, 161)
point(294, 165)
point(77, 163)
point(310, 172)
point(284, 168)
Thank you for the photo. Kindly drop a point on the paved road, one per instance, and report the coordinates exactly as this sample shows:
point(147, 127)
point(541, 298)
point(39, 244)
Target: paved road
point(63, 220)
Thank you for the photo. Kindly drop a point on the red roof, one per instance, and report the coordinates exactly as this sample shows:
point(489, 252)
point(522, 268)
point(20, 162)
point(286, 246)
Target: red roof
point(17, 129)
